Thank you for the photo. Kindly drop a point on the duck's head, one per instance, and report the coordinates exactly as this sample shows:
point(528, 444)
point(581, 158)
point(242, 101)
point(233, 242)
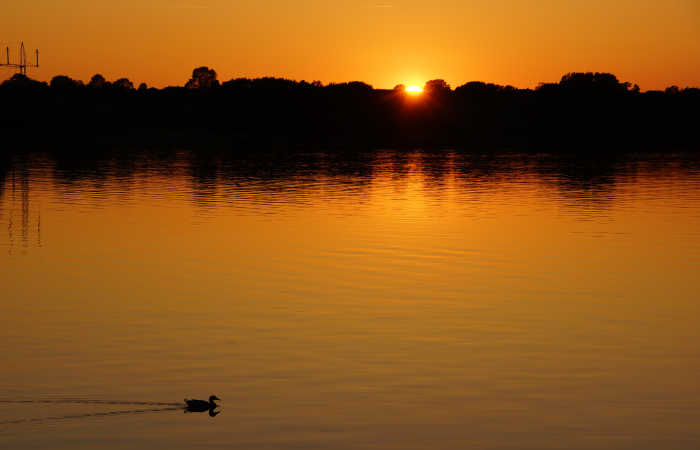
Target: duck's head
point(212, 398)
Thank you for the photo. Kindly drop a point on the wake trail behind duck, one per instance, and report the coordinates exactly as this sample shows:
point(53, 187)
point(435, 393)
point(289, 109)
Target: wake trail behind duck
point(87, 415)
point(84, 401)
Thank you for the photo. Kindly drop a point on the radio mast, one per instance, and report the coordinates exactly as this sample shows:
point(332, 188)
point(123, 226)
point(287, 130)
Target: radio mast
point(23, 63)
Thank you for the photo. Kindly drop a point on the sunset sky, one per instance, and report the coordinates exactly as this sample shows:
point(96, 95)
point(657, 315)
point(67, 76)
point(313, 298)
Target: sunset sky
point(382, 42)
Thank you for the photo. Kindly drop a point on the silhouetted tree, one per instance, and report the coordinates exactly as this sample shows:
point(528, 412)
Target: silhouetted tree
point(97, 81)
point(588, 111)
point(123, 84)
point(143, 87)
point(589, 81)
point(351, 86)
point(202, 78)
point(238, 83)
point(19, 80)
point(64, 82)
point(436, 86)
point(273, 83)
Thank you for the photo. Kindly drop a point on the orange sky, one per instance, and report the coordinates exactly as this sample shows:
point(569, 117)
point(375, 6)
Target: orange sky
point(381, 42)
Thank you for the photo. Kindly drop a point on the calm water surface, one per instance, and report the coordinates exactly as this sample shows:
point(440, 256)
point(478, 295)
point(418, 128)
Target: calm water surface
point(385, 300)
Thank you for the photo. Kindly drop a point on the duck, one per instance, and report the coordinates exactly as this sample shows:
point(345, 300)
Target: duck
point(201, 405)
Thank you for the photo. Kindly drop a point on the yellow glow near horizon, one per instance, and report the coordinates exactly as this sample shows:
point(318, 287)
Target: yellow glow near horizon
point(516, 42)
point(414, 90)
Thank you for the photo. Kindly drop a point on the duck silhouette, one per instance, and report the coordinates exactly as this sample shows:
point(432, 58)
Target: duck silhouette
point(194, 405)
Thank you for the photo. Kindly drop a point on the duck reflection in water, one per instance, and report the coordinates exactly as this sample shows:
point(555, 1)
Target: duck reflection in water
point(193, 405)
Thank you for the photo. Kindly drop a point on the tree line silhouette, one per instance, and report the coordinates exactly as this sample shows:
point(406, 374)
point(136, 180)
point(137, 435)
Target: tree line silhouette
point(591, 111)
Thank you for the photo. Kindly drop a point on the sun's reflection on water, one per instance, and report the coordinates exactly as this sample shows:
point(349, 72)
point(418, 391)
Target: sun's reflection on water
point(381, 294)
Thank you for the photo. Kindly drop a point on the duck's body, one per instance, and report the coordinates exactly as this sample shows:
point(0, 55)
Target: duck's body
point(201, 405)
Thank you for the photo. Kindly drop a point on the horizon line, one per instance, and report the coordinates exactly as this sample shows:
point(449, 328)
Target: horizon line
point(330, 83)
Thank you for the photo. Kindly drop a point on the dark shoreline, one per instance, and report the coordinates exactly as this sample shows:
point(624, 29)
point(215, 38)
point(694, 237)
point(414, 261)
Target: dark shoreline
point(583, 113)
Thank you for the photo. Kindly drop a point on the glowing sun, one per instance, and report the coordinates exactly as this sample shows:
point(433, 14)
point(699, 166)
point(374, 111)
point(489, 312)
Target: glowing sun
point(414, 90)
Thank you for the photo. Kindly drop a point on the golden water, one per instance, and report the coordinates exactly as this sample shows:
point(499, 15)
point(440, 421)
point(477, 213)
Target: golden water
point(407, 300)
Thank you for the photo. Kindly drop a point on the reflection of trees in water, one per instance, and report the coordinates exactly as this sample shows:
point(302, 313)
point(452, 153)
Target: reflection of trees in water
point(17, 174)
point(585, 183)
point(5, 166)
point(589, 183)
point(269, 178)
point(301, 177)
point(203, 174)
point(593, 183)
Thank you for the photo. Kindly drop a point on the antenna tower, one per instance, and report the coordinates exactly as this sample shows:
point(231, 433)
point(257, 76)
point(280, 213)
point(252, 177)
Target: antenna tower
point(23, 63)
